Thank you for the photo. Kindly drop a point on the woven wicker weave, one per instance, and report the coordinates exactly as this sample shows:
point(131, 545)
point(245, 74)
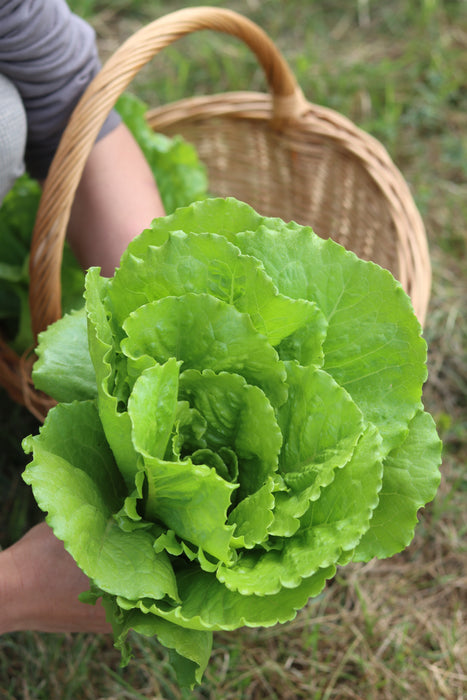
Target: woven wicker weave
point(277, 151)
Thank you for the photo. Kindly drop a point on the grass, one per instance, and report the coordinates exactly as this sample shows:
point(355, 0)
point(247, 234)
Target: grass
point(386, 630)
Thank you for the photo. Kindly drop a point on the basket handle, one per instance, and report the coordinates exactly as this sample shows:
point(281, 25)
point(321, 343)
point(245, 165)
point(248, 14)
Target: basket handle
point(288, 104)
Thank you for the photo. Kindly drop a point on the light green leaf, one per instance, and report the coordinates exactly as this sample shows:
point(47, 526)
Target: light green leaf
point(333, 523)
point(204, 333)
point(208, 605)
point(239, 416)
point(223, 216)
point(410, 480)
point(208, 263)
point(192, 647)
point(64, 369)
point(152, 408)
point(192, 500)
point(116, 422)
point(321, 426)
point(253, 517)
point(75, 480)
point(373, 346)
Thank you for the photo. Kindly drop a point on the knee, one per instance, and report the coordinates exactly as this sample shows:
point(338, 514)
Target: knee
point(13, 132)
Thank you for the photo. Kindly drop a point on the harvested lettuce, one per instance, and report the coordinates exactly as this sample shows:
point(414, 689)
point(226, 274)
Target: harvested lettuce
point(241, 412)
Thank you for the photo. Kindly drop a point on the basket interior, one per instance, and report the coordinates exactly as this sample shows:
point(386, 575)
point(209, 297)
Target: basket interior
point(316, 183)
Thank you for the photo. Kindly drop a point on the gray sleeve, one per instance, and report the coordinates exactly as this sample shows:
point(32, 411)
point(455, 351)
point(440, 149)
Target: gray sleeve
point(50, 55)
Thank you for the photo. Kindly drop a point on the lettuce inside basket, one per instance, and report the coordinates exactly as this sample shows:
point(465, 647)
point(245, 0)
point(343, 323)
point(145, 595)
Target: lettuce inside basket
point(240, 412)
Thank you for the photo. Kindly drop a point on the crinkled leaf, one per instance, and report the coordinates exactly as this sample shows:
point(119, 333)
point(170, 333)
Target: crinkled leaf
point(152, 408)
point(204, 333)
point(239, 416)
point(192, 500)
point(224, 216)
point(411, 478)
point(116, 422)
point(64, 369)
point(320, 425)
point(253, 516)
point(191, 648)
point(373, 346)
point(208, 263)
point(334, 523)
point(208, 605)
point(87, 489)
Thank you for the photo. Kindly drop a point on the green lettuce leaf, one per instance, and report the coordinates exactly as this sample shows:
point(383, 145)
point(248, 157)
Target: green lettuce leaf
point(17, 217)
point(64, 368)
point(209, 264)
point(87, 490)
point(411, 477)
point(190, 649)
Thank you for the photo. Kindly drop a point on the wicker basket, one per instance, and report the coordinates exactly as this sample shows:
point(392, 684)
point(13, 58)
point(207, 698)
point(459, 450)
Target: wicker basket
point(278, 152)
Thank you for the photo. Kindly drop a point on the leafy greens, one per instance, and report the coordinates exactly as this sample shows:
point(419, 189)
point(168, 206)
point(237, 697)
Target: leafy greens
point(240, 414)
point(17, 216)
point(181, 179)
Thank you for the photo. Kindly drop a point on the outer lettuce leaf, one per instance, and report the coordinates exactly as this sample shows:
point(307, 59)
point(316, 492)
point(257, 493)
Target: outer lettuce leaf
point(411, 478)
point(64, 367)
point(208, 605)
point(116, 423)
point(382, 366)
point(224, 217)
point(86, 490)
point(191, 649)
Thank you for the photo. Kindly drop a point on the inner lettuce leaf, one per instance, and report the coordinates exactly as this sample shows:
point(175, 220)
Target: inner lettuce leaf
point(240, 412)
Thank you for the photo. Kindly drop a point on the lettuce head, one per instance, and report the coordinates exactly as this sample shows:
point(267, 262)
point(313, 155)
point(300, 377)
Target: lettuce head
point(240, 412)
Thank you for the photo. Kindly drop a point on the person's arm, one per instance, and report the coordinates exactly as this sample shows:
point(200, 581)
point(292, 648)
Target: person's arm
point(116, 199)
point(39, 588)
point(50, 55)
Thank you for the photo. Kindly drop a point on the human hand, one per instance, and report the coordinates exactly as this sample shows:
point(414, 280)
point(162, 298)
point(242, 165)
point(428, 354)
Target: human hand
point(39, 588)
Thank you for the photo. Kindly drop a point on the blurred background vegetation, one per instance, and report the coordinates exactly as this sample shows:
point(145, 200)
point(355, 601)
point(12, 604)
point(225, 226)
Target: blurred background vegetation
point(391, 629)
